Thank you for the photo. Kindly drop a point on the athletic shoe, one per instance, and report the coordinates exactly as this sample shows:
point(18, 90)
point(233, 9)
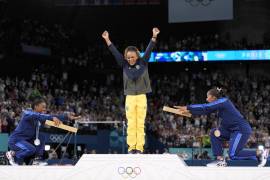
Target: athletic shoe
point(10, 156)
point(263, 158)
point(139, 152)
point(133, 151)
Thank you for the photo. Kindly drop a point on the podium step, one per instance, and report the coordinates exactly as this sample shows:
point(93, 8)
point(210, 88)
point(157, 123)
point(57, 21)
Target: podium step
point(131, 166)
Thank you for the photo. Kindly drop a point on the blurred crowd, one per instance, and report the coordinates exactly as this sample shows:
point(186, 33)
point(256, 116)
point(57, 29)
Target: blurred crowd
point(105, 102)
point(98, 98)
point(77, 49)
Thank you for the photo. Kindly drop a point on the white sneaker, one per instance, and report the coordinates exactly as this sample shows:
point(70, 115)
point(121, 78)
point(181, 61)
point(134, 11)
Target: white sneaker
point(39, 163)
point(10, 156)
point(263, 158)
point(217, 163)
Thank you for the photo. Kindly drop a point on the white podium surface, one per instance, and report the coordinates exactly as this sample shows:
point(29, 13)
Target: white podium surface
point(131, 166)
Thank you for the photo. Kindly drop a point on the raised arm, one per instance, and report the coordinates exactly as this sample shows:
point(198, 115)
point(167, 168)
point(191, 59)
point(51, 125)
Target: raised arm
point(117, 55)
point(151, 44)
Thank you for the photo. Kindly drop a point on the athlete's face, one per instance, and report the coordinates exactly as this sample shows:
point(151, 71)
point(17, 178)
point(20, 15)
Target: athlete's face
point(210, 98)
point(131, 57)
point(41, 108)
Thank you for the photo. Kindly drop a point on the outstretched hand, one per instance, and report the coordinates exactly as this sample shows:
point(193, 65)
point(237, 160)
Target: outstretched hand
point(156, 31)
point(72, 116)
point(56, 121)
point(105, 35)
point(181, 108)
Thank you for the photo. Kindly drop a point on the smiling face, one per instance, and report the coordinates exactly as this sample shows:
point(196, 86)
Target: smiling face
point(132, 54)
point(41, 107)
point(131, 57)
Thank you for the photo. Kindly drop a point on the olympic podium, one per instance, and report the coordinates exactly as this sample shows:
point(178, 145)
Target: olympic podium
point(131, 166)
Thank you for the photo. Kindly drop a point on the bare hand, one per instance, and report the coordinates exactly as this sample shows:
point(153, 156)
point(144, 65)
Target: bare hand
point(72, 116)
point(156, 31)
point(181, 108)
point(56, 121)
point(105, 35)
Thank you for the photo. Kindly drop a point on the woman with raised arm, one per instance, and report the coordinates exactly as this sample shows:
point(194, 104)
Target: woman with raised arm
point(136, 86)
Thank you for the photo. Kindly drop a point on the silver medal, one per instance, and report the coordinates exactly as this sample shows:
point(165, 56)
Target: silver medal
point(37, 142)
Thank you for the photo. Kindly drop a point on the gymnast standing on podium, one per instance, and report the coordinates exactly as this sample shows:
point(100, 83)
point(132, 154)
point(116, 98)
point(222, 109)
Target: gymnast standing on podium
point(136, 86)
point(26, 142)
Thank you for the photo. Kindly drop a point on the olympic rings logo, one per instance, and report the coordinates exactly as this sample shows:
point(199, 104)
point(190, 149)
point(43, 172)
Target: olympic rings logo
point(129, 172)
point(56, 138)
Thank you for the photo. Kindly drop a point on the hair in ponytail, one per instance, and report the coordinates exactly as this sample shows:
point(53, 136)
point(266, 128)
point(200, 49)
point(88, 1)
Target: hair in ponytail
point(216, 92)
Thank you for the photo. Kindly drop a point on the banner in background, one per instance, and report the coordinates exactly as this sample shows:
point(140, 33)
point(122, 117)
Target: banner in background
point(199, 10)
point(231, 55)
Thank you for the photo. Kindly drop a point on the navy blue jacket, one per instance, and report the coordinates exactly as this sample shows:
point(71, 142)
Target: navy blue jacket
point(26, 129)
point(131, 71)
point(135, 77)
point(231, 119)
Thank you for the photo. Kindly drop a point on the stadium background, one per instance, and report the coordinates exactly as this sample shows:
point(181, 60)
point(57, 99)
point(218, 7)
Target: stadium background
point(54, 49)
